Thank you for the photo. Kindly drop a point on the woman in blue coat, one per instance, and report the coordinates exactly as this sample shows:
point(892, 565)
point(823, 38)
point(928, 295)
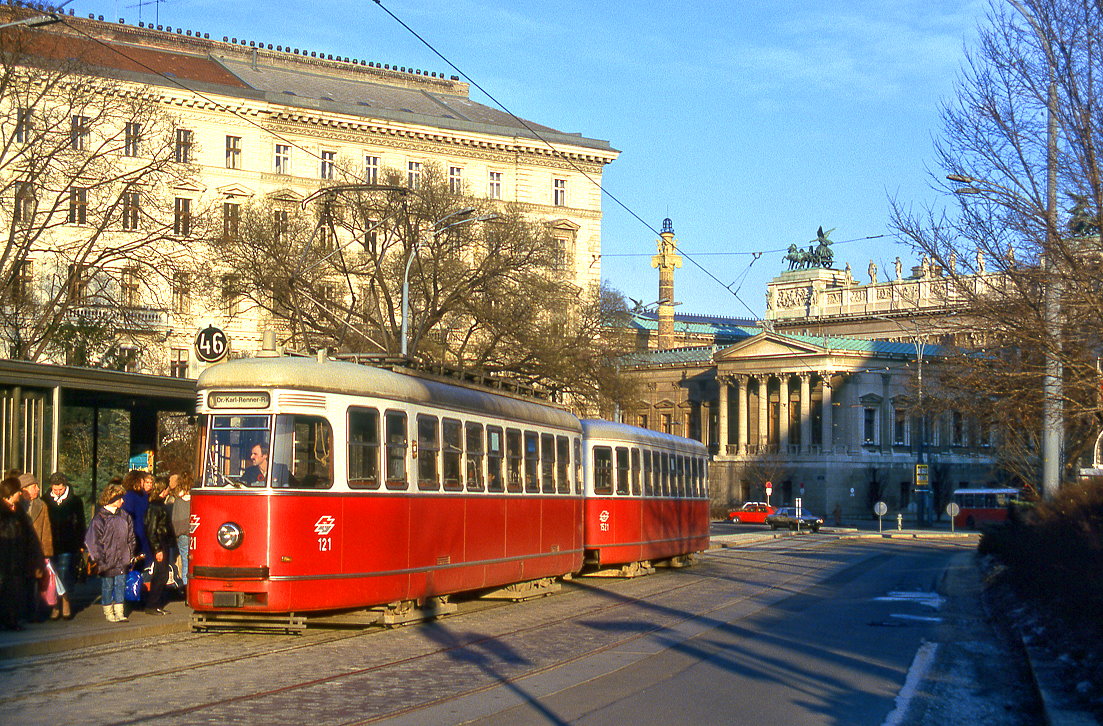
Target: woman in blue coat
point(111, 543)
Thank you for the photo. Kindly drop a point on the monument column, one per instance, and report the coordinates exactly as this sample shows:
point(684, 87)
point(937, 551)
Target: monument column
point(825, 413)
point(722, 427)
point(763, 413)
point(805, 412)
point(742, 436)
point(783, 413)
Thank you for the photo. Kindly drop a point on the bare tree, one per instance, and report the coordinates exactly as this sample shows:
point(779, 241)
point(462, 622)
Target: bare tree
point(1027, 112)
point(487, 286)
point(90, 232)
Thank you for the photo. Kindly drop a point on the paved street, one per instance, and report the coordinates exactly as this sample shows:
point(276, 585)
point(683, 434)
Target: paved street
point(790, 630)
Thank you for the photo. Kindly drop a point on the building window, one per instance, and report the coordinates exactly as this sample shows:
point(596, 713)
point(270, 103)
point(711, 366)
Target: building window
point(22, 281)
point(183, 149)
point(131, 200)
point(233, 152)
point(329, 164)
point(371, 236)
point(371, 169)
point(78, 205)
point(643, 422)
point(178, 363)
point(280, 224)
point(23, 209)
point(455, 179)
point(559, 192)
point(494, 185)
point(77, 282)
point(231, 220)
point(181, 220)
point(128, 359)
point(24, 125)
point(413, 174)
point(282, 164)
point(78, 132)
point(132, 135)
point(957, 429)
point(229, 294)
point(180, 288)
point(130, 288)
point(869, 425)
point(562, 254)
point(899, 426)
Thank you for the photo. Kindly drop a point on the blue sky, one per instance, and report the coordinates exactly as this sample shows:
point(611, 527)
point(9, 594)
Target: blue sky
point(749, 125)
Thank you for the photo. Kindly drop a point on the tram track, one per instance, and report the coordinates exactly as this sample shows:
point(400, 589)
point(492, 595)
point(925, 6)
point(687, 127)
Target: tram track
point(777, 561)
point(623, 602)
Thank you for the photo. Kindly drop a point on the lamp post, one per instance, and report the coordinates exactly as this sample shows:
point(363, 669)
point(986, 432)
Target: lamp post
point(1052, 383)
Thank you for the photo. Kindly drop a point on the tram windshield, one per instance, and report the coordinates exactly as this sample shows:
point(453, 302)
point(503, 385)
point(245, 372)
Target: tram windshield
point(260, 451)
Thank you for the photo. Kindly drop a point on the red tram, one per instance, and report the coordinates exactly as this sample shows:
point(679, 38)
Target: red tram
point(646, 496)
point(328, 485)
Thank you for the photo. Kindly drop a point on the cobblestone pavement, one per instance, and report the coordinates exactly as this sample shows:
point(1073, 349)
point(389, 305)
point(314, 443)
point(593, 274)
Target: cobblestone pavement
point(341, 676)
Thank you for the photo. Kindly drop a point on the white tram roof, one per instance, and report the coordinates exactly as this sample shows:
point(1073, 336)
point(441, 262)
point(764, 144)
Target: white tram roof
point(596, 428)
point(354, 379)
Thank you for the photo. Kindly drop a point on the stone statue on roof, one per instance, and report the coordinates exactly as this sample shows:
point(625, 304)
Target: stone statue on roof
point(980, 263)
point(899, 268)
point(872, 270)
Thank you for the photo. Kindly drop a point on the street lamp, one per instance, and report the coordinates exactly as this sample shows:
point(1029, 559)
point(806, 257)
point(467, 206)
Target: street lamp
point(415, 240)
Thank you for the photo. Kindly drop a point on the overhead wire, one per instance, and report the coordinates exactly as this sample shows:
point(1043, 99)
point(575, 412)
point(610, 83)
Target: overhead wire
point(601, 188)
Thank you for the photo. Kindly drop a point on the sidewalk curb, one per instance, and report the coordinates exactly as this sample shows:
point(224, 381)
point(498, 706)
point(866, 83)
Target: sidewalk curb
point(122, 631)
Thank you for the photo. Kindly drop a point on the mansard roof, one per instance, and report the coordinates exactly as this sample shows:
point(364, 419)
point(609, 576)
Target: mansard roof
point(285, 78)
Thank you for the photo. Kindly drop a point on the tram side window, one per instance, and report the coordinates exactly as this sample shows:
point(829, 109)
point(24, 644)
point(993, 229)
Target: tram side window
point(578, 466)
point(532, 462)
point(395, 422)
point(451, 453)
point(494, 480)
point(302, 452)
point(664, 473)
point(547, 463)
point(680, 474)
point(474, 457)
point(513, 460)
point(648, 482)
point(635, 472)
point(622, 470)
point(563, 464)
point(603, 470)
point(428, 451)
point(363, 448)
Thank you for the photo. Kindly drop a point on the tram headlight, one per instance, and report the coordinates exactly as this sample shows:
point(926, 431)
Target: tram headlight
point(230, 535)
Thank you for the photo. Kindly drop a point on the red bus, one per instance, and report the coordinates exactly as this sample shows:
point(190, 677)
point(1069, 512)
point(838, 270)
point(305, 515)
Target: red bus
point(983, 505)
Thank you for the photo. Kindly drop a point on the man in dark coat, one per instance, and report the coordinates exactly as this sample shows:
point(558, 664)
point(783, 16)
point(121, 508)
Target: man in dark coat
point(20, 557)
point(67, 523)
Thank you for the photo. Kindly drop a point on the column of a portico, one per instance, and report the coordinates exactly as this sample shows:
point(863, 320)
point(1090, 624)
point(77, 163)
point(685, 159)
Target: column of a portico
point(805, 411)
point(825, 414)
point(742, 435)
point(763, 413)
point(722, 429)
point(783, 413)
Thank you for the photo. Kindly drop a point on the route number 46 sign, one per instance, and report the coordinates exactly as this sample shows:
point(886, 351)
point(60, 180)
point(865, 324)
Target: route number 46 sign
point(211, 344)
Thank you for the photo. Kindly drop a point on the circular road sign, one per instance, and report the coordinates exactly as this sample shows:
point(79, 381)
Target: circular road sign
point(880, 509)
point(211, 344)
point(953, 509)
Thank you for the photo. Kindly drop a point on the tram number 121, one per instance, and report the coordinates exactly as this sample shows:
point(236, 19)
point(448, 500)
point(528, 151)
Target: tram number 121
point(325, 544)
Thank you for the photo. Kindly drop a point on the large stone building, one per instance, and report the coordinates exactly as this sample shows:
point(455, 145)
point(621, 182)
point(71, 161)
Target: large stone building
point(821, 398)
point(256, 121)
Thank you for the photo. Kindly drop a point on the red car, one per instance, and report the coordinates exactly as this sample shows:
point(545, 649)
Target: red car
point(751, 513)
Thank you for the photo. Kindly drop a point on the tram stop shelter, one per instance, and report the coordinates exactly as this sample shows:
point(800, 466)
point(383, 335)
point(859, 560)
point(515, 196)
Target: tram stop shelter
point(33, 396)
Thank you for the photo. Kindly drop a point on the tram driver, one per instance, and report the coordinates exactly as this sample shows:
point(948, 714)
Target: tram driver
point(257, 471)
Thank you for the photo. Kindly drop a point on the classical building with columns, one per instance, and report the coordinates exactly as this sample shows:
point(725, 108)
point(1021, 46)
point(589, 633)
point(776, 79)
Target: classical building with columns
point(833, 419)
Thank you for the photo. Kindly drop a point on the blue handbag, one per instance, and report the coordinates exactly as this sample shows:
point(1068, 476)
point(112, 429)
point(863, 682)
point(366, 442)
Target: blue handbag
point(134, 586)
